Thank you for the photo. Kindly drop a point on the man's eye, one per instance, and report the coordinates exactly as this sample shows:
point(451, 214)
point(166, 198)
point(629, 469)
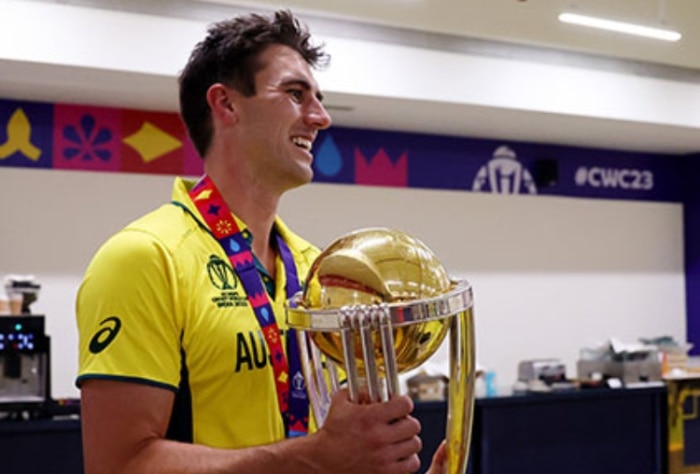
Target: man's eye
point(296, 94)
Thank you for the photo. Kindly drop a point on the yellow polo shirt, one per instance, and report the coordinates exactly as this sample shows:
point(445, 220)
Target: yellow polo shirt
point(160, 304)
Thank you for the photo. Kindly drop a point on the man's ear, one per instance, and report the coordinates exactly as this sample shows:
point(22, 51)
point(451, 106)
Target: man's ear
point(219, 98)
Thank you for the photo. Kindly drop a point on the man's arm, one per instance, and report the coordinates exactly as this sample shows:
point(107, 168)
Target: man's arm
point(124, 425)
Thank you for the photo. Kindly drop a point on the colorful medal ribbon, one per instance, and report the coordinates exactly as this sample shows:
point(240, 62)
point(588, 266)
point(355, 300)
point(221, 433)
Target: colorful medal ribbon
point(218, 217)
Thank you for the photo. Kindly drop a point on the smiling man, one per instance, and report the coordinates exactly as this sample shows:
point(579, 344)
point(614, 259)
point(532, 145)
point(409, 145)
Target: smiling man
point(186, 363)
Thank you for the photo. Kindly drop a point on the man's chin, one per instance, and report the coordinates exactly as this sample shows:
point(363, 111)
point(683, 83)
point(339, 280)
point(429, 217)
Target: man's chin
point(300, 179)
point(307, 174)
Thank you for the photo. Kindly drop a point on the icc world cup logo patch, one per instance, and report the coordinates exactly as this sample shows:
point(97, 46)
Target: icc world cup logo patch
point(221, 274)
point(224, 279)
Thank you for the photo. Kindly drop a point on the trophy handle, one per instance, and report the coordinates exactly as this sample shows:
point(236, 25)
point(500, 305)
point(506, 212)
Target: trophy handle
point(318, 387)
point(460, 409)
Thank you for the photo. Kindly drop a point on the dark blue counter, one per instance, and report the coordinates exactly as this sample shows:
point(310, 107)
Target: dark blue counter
point(41, 447)
point(605, 431)
point(583, 432)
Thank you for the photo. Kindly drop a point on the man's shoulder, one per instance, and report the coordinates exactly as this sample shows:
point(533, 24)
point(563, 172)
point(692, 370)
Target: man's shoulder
point(164, 229)
point(169, 223)
point(297, 244)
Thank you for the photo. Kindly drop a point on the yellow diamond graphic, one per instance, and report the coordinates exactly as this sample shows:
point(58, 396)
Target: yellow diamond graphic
point(283, 377)
point(203, 195)
point(151, 142)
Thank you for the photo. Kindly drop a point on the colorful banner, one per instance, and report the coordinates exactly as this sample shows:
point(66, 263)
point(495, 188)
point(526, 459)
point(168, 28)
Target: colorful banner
point(372, 157)
point(80, 137)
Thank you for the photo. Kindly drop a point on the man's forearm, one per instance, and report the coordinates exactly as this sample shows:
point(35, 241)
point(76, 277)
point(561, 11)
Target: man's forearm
point(158, 456)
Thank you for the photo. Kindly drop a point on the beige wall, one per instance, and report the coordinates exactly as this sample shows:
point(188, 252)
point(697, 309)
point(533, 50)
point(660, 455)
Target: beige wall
point(550, 275)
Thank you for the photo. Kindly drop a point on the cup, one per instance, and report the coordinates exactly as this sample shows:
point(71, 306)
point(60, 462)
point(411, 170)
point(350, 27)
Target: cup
point(16, 300)
point(377, 303)
point(4, 305)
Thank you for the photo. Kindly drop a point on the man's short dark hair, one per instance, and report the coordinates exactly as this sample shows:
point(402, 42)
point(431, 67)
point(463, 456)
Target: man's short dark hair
point(228, 55)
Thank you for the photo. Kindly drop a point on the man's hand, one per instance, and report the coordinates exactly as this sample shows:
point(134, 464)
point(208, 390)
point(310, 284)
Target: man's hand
point(376, 438)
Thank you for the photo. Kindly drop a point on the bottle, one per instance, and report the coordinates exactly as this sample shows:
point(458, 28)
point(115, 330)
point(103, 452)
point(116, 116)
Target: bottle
point(491, 390)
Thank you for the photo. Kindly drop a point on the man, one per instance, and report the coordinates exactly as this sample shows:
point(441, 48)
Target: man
point(184, 367)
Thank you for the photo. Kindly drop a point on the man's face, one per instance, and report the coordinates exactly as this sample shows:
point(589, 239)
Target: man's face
point(277, 125)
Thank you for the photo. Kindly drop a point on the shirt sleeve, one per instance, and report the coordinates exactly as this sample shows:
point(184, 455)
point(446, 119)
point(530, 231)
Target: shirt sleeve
point(128, 322)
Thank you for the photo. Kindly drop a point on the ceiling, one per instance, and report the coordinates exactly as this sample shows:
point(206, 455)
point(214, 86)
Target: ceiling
point(531, 22)
point(511, 29)
point(518, 28)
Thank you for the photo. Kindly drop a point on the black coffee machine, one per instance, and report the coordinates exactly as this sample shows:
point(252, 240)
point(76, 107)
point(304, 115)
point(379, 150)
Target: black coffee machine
point(25, 367)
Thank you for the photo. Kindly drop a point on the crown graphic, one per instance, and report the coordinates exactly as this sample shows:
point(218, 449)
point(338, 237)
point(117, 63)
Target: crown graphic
point(241, 260)
point(258, 300)
point(297, 427)
point(380, 171)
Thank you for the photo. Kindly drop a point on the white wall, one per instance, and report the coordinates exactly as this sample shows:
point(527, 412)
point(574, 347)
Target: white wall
point(550, 275)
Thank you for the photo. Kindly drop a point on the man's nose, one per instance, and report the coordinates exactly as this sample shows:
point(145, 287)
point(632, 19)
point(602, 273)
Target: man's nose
point(318, 116)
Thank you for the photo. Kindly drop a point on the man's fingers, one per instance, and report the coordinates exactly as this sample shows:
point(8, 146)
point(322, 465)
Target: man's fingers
point(439, 464)
point(394, 409)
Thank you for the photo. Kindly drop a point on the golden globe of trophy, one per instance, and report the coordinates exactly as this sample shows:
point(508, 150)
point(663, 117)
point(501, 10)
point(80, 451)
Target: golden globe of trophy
point(377, 303)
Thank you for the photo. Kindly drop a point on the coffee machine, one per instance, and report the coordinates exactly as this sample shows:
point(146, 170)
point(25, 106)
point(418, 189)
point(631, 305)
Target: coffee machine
point(25, 378)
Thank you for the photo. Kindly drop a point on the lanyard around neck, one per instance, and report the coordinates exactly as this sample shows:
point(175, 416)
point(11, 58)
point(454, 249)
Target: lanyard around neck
point(224, 228)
